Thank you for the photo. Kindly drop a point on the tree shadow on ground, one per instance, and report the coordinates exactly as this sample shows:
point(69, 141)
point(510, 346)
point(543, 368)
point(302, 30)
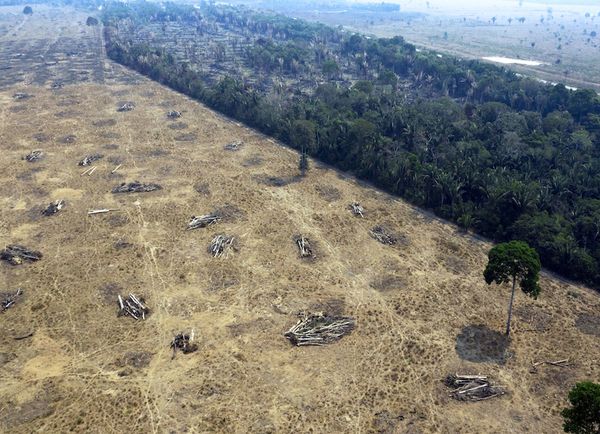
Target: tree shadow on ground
point(480, 344)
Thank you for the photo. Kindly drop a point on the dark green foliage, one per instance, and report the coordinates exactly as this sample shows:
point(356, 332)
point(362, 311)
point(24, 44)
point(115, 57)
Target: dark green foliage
point(503, 155)
point(514, 260)
point(303, 165)
point(583, 417)
point(27, 10)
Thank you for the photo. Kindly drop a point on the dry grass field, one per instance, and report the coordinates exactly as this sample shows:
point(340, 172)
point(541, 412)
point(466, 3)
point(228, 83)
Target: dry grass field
point(422, 308)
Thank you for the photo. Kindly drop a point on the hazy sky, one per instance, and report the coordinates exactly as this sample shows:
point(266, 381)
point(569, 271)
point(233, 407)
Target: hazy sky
point(492, 6)
point(487, 7)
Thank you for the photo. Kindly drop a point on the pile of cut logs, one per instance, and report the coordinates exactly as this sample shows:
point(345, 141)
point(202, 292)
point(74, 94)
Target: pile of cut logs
point(382, 235)
point(21, 95)
point(559, 363)
point(319, 329)
point(135, 187)
point(15, 254)
point(127, 107)
point(133, 306)
point(356, 209)
point(184, 342)
point(203, 221)
point(34, 156)
point(233, 146)
point(304, 246)
point(220, 245)
point(472, 387)
point(8, 300)
point(54, 207)
point(88, 160)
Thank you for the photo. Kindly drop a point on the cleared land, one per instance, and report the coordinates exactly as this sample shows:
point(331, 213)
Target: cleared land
point(565, 38)
point(421, 306)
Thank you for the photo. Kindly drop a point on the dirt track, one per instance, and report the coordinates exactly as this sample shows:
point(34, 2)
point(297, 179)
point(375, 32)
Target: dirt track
point(422, 307)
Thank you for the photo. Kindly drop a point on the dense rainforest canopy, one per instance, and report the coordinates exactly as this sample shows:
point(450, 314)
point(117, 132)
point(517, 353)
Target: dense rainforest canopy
point(498, 153)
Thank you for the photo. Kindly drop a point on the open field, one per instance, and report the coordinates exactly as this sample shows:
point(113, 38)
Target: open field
point(422, 308)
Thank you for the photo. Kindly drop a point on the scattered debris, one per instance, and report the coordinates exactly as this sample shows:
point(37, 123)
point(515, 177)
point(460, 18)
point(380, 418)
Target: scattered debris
point(472, 387)
point(173, 114)
point(90, 159)
point(356, 209)
point(25, 336)
point(15, 254)
point(100, 211)
point(56, 85)
point(122, 244)
point(220, 245)
point(560, 363)
point(319, 329)
point(304, 246)
point(127, 107)
point(54, 207)
point(89, 170)
point(184, 342)
point(8, 300)
point(203, 221)
point(21, 95)
point(133, 307)
point(135, 187)
point(233, 146)
point(384, 236)
point(34, 156)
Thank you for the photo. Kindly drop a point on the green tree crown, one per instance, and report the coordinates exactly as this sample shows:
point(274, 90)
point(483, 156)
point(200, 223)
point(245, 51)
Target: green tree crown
point(514, 259)
point(583, 417)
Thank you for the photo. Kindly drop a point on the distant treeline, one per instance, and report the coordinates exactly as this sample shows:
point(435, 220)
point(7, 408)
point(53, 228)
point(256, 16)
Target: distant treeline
point(506, 156)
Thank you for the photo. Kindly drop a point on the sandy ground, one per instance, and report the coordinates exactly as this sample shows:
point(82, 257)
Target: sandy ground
point(422, 308)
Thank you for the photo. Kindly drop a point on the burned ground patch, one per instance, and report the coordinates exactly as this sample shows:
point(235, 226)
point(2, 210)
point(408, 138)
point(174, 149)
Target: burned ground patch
point(68, 139)
point(27, 412)
point(222, 277)
point(190, 137)
point(277, 181)
point(588, 323)
point(202, 188)
point(41, 137)
point(135, 359)
point(329, 193)
point(178, 126)
point(109, 293)
point(102, 123)
point(329, 306)
point(253, 161)
point(389, 283)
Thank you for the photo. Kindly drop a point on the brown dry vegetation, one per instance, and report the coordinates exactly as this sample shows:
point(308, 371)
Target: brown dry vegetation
point(422, 307)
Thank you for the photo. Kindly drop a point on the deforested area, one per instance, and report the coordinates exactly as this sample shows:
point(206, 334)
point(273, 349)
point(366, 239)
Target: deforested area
point(504, 155)
point(115, 315)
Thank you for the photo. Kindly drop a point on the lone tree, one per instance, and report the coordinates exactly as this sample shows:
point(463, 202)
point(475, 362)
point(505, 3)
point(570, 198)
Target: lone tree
point(303, 165)
point(91, 21)
point(517, 261)
point(27, 10)
point(583, 417)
